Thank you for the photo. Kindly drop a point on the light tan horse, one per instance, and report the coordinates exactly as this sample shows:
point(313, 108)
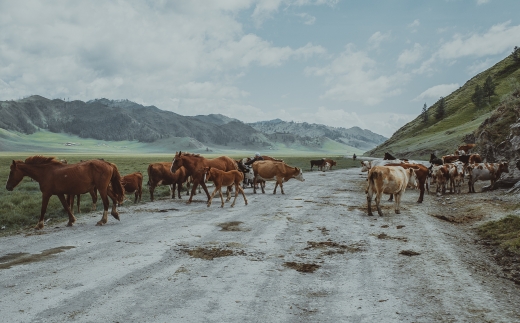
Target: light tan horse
point(195, 164)
point(56, 178)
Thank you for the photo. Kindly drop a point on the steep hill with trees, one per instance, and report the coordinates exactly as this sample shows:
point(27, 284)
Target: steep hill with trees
point(487, 103)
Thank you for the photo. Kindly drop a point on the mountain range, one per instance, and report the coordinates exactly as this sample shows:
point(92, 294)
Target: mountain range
point(118, 120)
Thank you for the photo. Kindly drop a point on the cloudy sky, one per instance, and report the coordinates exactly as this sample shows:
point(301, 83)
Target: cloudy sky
point(371, 64)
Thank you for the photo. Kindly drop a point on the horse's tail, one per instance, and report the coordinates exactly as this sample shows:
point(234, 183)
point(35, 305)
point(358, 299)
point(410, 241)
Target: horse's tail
point(117, 186)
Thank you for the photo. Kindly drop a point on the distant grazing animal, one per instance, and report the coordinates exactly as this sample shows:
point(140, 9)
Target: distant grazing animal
point(388, 180)
point(421, 173)
point(434, 160)
point(318, 162)
point(275, 171)
point(326, 166)
point(466, 147)
point(221, 178)
point(195, 164)
point(331, 162)
point(56, 178)
point(441, 176)
point(388, 156)
point(485, 172)
point(160, 174)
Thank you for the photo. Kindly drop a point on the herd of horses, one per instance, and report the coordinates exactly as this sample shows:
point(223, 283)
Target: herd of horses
point(67, 181)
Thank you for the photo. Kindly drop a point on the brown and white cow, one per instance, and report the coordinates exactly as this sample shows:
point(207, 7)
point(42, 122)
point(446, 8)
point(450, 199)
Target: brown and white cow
point(449, 159)
point(456, 174)
point(466, 147)
point(388, 180)
point(331, 162)
point(222, 178)
point(441, 176)
point(421, 172)
point(160, 174)
point(485, 172)
point(275, 171)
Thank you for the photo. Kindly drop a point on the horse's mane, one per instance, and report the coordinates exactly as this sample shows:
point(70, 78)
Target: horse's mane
point(35, 160)
point(191, 154)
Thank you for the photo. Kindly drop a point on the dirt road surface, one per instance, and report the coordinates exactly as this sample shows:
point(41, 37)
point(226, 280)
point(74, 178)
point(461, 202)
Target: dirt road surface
point(311, 255)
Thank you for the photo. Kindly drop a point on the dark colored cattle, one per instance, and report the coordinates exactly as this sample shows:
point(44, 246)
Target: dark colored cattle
point(318, 162)
point(434, 160)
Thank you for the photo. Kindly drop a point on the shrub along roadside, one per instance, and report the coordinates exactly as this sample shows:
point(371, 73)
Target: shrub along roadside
point(504, 233)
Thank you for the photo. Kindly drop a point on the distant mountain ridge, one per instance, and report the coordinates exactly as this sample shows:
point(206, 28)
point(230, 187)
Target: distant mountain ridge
point(117, 120)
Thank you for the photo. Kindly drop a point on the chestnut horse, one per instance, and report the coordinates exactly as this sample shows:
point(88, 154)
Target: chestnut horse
point(195, 164)
point(59, 179)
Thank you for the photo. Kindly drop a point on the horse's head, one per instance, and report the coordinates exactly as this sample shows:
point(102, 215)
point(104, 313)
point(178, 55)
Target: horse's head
point(15, 176)
point(177, 162)
point(207, 174)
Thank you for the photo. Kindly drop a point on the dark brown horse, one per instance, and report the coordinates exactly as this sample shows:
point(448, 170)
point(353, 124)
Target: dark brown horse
point(56, 178)
point(195, 164)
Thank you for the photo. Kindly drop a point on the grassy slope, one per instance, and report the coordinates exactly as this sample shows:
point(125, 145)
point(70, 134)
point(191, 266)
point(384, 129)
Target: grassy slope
point(49, 142)
point(417, 139)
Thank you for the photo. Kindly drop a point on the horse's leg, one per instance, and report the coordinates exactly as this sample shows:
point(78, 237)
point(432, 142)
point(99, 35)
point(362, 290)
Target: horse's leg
point(93, 194)
point(254, 185)
point(244, 195)
point(104, 198)
point(114, 212)
point(194, 187)
point(221, 197)
point(212, 195)
point(236, 194)
point(179, 188)
point(45, 202)
point(66, 206)
point(228, 192)
point(173, 190)
point(205, 189)
point(151, 189)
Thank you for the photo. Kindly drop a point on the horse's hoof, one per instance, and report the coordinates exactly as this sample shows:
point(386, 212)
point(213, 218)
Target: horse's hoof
point(70, 224)
point(100, 223)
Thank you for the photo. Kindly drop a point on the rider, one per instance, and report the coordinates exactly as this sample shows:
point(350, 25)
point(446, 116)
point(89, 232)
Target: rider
point(257, 157)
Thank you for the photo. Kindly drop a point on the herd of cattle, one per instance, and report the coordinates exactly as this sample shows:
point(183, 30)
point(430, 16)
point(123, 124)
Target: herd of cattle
point(392, 175)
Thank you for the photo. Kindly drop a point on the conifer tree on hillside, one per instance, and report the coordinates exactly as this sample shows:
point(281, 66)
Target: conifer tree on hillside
point(441, 109)
point(424, 114)
point(516, 54)
point(489, 88)
point(478, 97)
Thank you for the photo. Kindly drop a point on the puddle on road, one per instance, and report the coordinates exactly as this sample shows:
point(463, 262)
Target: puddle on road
point(232, 226)
point(22, 258)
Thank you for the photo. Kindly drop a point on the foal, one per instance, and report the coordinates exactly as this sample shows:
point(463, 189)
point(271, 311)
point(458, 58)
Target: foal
point(221, 178)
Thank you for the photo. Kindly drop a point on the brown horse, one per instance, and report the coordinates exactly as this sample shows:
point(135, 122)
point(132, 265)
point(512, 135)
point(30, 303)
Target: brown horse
point(59, 179)
point(195, 164)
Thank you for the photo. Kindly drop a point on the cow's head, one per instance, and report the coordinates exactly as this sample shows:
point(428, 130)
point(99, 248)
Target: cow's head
point(412, 177)
point(300, 175)
point(503, 167)
point(365, 166)
point(176, 162)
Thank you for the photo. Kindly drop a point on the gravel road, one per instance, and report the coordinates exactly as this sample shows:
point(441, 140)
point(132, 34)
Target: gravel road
point(311, 255)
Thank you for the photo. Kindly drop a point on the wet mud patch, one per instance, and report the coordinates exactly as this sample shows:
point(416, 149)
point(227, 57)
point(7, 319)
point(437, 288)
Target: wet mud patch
point(211, 253)
point(459, 218)
point(232, 226)
point(333, 247)
point(384, 236)
point(409, 253)
point(22, 258)
point(302, 267)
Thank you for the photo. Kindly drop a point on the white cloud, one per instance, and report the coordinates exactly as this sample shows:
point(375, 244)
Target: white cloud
point(479, 2)
point(415, 23)
point(352, 76)
point(410, 56)
point(377, 38)
point(435, 92)
point(479, 66)
point(308, 19)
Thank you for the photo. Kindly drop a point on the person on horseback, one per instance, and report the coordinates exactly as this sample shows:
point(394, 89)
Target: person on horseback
point(255, 158)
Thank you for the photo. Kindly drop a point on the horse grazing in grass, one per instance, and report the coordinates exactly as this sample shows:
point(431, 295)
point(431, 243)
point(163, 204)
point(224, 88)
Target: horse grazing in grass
point(221, 178)
point(56, 178)
point(195, 164)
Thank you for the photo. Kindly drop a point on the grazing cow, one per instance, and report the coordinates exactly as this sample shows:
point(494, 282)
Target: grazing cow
point(485, 172)
point(388, 180)
point(160, 174)
point(326, 167)
point(331, 162)
point(318, 162)
point(456, 173)
point(389, 157)
point(275, 171)
point(133, 183)
point(421, 173)
point(441, 176)
point(466, 147)
point(221, 178)
point(434, 160)
point(449, 159)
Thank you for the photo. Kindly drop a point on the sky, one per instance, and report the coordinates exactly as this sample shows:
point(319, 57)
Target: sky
point(371, 64)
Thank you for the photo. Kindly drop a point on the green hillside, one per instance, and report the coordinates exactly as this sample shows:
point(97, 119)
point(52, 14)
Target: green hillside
point(417, 139)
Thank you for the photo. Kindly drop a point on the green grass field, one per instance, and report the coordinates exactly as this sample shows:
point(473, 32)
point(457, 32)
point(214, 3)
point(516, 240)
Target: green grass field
point(20, 209)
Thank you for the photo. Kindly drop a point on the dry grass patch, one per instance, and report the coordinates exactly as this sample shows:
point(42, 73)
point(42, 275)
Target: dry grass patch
point(301, 267)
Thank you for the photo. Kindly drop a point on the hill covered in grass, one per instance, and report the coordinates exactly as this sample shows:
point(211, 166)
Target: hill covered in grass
point(463, 122)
